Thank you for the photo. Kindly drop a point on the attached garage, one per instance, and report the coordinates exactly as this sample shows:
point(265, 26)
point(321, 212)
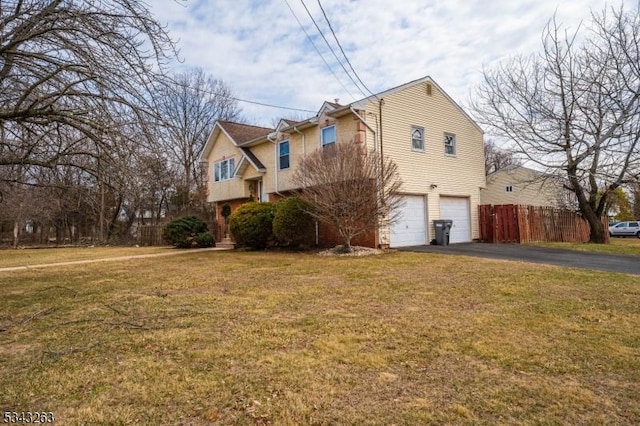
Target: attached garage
point(410, 229)
point(457, 209)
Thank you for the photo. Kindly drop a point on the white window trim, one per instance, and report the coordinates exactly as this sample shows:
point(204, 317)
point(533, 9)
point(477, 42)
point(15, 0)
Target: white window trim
point(230, 170)
point(280, 156)
point(421, 130)
point(455, 145)
point(335, 133)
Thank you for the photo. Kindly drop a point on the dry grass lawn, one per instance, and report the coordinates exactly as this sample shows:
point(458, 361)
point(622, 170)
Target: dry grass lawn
point(27, 257)
point(271, 338)
point(617, 245)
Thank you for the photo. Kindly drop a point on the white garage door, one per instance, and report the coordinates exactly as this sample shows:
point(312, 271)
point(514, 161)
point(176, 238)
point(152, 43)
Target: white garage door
point(410, 229)
point(457, 209)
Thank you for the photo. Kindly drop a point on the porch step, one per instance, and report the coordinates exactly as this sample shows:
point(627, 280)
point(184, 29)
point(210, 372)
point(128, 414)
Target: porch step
point(226, 243)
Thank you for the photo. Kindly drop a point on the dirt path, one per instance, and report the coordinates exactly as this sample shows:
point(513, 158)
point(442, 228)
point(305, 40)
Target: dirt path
point(107, 259)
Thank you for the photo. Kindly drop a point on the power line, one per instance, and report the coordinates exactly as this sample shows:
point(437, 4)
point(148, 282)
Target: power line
point(342, 50)
point(318, 50)
point(269, 105)
point(242, 100)
point(331, 48)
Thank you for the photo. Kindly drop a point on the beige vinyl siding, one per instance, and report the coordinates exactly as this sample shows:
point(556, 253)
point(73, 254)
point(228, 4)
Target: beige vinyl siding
point(346, 128)
point(265, 153)
point(296, 151)
point(527, 188)
point(461, 175)
point(229, 189)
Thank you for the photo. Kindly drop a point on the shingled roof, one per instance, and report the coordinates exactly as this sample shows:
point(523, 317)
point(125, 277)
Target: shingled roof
point(243, 132)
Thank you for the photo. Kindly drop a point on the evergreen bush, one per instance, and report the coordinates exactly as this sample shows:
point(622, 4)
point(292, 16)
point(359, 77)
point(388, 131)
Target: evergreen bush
point(183, 232)
point(292, 224)
point(251, 225)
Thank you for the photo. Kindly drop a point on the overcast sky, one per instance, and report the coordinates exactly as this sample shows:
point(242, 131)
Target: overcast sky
point(258, 48)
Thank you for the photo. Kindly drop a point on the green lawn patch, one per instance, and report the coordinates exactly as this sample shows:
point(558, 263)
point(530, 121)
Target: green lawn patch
point(617, 245)
point(277, 338)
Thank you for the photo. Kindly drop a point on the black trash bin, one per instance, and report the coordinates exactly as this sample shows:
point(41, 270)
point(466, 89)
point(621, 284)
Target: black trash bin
point(443, 228)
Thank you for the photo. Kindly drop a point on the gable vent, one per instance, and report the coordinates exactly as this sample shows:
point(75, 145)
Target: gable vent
point(429, 89)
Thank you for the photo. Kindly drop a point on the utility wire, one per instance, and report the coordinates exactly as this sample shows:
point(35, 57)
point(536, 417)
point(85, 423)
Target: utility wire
point(240, 99)
point(318, 50)
point(331, 48)
point(268, 105)
point(342, 50)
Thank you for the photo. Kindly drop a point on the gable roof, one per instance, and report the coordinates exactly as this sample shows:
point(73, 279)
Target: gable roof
point(238, 133)
point(360, 104)
point(246, 152)
point(248, 135)
point(241, 133)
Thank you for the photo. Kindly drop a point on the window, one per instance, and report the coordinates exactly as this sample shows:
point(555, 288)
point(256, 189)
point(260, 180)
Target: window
point(283, 155)
point(328, 135)
point(417, 139)
point(223, 170)
point(509, 188)
point(449, 144)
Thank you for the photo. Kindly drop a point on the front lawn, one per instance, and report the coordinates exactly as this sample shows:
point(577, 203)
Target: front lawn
point(617, 245)
point(272, 338)
point(27, 257)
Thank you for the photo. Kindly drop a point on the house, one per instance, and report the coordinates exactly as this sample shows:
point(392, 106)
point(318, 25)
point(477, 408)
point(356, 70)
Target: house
point(438, 149)
point(522, 185)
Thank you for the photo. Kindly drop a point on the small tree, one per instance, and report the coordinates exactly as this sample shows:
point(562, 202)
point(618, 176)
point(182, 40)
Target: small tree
point(349, 188)
point(620, 201)
point(226, 212)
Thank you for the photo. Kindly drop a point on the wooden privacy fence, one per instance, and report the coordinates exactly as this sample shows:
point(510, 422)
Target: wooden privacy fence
point(151, 235)
point(511, 223)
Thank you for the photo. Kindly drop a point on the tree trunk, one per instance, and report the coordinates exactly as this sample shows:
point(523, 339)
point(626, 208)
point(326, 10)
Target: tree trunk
point(16, 233)
point(598, 233)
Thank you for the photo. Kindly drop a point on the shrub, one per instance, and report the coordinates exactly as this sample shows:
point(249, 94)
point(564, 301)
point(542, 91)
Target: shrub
point(251, 225)
point(292, 224)
point(204, 239)
point(182, 232)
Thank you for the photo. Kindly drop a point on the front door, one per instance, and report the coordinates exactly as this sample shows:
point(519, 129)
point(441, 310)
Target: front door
point(262, 196)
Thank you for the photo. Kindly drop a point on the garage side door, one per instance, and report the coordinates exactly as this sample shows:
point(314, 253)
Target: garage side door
point(457, 209)
point(411, 227)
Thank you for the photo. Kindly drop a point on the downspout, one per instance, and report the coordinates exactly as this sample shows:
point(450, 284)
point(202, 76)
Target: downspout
point(375, 149)
point(275, 151)
point(304, 152)
point(304, 144)
point(380, 103)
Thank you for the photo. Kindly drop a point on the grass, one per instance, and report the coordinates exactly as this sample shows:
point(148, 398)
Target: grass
point(273, 338)
point(26, 257)
point(617, 245)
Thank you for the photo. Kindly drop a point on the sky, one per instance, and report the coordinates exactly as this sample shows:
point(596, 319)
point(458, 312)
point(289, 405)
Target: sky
point(260, 51)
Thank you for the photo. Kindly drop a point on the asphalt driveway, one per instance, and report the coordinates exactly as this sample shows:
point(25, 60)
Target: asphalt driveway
point(627, 264)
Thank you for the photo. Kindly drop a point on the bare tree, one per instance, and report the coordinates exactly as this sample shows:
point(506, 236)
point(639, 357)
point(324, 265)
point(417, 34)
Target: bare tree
point(496, 158)
point(189, 105)
point(349, 188)
point(575, 108)
point(73, 65)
